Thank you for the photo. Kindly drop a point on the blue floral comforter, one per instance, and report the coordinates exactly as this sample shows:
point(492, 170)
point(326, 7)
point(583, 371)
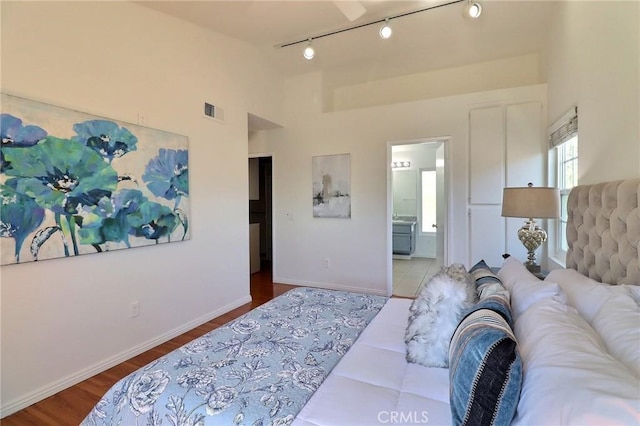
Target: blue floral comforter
point(259, 369)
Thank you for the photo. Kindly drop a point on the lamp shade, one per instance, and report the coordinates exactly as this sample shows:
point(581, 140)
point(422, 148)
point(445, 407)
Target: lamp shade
point(531, 202)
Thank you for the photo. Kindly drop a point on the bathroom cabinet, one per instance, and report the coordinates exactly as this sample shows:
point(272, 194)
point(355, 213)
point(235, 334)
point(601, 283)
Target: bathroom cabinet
point(404, 237)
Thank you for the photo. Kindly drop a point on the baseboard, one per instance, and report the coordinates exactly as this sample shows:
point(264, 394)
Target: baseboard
point(403, 256)
point(329, 286)
point(62, 384)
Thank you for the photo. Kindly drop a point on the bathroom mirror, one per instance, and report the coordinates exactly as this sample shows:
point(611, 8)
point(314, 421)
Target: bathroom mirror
point(405, 190)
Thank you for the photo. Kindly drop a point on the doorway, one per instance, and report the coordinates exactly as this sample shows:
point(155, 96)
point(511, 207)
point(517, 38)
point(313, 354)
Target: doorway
point(418, 206)
point(260, 215)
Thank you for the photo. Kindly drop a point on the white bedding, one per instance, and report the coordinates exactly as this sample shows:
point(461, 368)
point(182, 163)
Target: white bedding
point(580, 345)
point(613, 311)
point(569, 376)
point(572, 375)
point(374, 384)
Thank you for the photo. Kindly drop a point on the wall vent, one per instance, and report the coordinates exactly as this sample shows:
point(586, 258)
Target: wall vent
point(213, 112)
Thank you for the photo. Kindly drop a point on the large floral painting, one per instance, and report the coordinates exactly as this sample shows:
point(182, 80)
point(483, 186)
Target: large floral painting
point(72, 183)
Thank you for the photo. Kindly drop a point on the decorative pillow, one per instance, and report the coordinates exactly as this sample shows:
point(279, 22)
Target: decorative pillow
point(485, 370)
point(486, 280)
point(435, 313)
point(491, 292)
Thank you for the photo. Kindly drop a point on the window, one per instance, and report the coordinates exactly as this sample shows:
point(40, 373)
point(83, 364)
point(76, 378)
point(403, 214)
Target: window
point(428, 182)
point(567, 155)
point(563, 140)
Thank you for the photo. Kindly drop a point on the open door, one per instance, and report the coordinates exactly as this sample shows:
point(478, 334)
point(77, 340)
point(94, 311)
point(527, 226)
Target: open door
point(441, 202)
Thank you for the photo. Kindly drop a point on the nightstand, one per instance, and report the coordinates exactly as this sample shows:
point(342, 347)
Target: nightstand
point(541, 275)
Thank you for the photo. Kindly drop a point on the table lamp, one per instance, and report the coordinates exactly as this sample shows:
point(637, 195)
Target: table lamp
point(531, 202)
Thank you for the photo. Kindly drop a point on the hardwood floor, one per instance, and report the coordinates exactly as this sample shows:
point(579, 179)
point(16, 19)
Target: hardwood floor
point(71, 406)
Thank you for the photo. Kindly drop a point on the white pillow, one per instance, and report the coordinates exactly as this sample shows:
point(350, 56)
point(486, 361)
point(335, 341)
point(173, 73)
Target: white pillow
point(612, 310)
point(618, 323)
point(583, 293)
point(569, 377)
point(526, 293)
point(634, 291)
point(512, 271)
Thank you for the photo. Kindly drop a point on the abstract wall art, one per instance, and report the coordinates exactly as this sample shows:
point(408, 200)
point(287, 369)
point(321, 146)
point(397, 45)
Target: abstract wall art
point(72, 183)
point(331, 186)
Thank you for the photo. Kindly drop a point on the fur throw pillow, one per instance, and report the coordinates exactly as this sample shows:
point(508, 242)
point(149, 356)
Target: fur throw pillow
point(435, 314)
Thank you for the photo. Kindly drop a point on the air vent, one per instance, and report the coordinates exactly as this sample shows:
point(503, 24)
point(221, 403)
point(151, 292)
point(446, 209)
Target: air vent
point(213, 112)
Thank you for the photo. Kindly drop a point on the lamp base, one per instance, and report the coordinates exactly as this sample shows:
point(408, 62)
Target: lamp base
point(532, 236)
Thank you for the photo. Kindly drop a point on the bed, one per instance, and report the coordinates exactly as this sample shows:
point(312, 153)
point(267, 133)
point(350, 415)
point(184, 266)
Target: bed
point(324, 357)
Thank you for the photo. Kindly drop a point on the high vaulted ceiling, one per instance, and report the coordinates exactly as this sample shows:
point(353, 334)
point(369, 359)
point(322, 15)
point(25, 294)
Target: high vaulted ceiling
point(434, 39)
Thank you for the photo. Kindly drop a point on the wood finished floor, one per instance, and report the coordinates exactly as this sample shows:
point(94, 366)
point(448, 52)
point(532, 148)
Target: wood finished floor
point(70, 406)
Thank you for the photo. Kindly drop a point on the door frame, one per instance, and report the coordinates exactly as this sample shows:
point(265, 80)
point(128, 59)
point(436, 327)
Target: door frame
point(447, 200)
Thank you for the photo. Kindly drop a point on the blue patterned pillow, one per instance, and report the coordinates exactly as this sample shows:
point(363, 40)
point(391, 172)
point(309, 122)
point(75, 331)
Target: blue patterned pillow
point(491, 293)
point(485, 370)
point(484, 276)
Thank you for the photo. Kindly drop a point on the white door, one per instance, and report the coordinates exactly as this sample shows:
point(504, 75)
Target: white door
point(441, 205)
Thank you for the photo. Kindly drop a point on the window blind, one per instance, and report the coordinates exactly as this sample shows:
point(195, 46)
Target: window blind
point(564, 129)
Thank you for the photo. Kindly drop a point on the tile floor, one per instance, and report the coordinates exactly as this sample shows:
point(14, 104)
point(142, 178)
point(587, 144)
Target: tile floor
point(408, 275)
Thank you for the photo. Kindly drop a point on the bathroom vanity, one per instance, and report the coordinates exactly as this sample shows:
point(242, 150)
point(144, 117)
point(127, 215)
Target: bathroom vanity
point(404, 237)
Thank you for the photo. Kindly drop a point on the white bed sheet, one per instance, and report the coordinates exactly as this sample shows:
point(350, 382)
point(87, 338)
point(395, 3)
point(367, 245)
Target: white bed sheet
point(374, 384)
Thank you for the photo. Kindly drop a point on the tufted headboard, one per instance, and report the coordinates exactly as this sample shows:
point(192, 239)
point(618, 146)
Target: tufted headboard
point(603, 231)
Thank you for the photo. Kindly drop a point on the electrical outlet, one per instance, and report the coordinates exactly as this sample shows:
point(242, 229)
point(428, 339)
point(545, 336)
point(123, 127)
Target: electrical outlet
point(327, 264)
point(134, 309)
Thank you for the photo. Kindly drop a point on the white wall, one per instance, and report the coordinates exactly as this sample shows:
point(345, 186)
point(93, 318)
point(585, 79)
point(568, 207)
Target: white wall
point(64, 319)
point(594, 63)
point(359, 248)
point(503, 73)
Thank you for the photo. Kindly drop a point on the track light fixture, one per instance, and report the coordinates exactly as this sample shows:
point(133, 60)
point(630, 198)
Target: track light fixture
point(309, 52)
point(385, 30)
point(472, 9)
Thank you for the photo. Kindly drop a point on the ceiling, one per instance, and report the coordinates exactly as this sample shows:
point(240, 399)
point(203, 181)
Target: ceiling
point(435, 39)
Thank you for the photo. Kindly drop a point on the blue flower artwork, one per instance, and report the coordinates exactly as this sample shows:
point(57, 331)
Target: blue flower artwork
point(72, 183)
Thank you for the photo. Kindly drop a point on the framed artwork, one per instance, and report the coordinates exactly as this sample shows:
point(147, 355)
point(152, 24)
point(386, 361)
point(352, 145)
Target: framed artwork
point(72, 183)
point(331, 186)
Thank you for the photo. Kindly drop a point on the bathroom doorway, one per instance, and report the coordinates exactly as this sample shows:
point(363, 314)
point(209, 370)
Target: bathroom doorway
point(418, 206)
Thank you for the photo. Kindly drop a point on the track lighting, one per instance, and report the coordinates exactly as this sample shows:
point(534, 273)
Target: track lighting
point(309, 52)
point(385, 30)
point(472, 9)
